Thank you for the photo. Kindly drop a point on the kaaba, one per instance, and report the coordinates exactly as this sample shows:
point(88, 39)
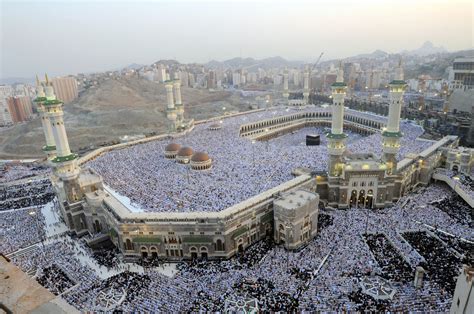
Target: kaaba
point(312, 140)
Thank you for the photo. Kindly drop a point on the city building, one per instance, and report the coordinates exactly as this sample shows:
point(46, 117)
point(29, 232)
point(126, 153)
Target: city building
point(462, 73)
point(5, 116)
point(211, 80)
point(65, 88)
point(463, 300)
point(20, 108)
point(6, 91)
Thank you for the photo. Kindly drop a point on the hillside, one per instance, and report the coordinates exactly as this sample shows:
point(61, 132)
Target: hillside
point(128, 106)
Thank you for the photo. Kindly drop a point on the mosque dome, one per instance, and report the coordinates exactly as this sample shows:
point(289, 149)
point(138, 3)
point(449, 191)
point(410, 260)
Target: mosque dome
point(184, 154)
point(171, 150)
point(200, 157)
point(172, 147)
point(201, 161)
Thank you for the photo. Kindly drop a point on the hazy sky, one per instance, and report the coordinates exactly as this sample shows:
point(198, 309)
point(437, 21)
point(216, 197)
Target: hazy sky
point(70, 36)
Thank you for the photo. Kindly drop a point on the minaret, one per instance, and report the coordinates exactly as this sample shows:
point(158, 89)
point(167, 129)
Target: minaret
point(65, 162)
point(170, 110)
point(286, 93)
point(337, 138)
point(50, 147)
point(391, 134)
point(178, 102)
point(306, 85)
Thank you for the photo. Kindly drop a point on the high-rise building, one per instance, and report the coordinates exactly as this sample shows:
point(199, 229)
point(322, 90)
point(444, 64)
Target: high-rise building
point(192, 80)
point(20, 108)
point(462, 73)
point(211, 80)
point(6, 91)
point(5, 117)
point(236, 79)
point(184, 78)
point(65, 88)
point(296, 78)
point(161, 73)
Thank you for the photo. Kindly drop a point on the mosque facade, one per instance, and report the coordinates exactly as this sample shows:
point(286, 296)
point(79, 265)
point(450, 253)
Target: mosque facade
point(287, 212)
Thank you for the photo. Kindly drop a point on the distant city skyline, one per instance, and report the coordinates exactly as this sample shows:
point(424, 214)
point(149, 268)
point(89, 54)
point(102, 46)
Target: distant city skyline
point(63, 38)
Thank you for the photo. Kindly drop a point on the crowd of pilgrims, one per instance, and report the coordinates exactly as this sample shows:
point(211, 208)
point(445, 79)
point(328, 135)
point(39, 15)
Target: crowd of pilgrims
point(19, 229)
point(14, 172)
point(354, 243)
point(25, 194)
point(54, 279)
point(240, 168)
point(465, 181)
point(392, 264)
point(453, 205)
point(440, 263)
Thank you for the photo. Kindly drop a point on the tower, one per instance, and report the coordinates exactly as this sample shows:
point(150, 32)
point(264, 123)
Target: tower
point(170, 110)
point(391, 134)
point(306, 85)
point(178, 102)
point(286, 93)
point(337, 138)
point(50, 147)
point(65, 161)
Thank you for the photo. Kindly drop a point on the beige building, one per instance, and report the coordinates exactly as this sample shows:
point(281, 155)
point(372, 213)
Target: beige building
point(20, 108)
point(65, 88)
point(463, 299)
point(295, 218)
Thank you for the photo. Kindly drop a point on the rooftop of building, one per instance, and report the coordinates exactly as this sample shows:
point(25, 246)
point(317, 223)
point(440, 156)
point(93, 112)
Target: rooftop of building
point(295, 199)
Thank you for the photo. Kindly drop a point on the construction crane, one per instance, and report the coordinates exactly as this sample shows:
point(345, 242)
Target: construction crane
point(314, 66)
point(317, 61)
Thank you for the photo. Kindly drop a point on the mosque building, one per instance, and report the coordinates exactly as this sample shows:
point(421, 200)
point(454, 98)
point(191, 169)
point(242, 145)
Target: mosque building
point(288, 212)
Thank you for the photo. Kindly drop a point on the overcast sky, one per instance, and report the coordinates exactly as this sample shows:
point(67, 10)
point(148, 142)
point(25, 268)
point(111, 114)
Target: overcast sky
point(70, 36)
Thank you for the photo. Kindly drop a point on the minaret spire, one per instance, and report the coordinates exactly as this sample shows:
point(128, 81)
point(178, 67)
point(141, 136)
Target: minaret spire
point(170, 110)
point(391, 134)
point(337, 138)
point(178, 101)
point(40, 100)
point(286, 93)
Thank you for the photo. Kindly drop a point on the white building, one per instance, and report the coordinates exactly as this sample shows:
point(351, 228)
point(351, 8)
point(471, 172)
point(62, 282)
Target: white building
point(236, 79)
point(160, 73)
point(6, 91)
point(463, 299)
point(462, 73)
point(5, 117)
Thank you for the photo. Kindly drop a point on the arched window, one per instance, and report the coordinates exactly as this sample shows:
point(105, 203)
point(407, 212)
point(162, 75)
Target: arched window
point(128, 245)
point(219, 245)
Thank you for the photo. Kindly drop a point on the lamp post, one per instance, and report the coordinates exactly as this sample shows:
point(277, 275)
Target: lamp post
point(287, 237)
point(253, 154)
point(367, 220)
point(266, 142)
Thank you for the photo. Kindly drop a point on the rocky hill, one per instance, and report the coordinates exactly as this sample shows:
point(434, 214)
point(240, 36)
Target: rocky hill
point(117, 107)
